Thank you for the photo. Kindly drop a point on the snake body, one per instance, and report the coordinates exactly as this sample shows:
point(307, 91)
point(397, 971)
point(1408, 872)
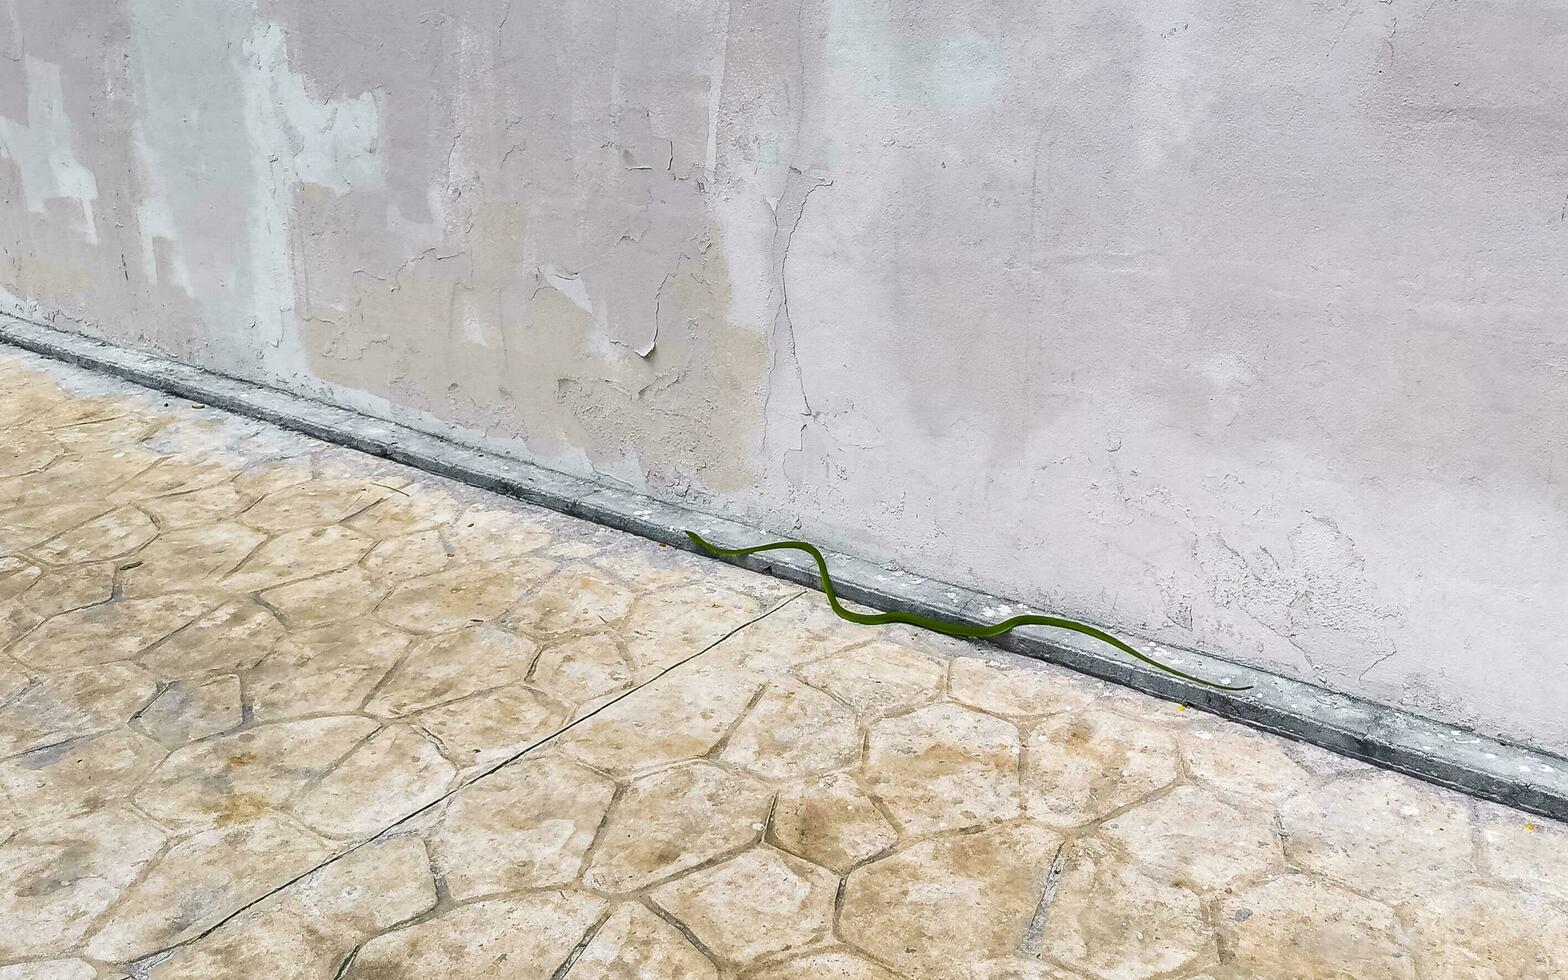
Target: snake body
point(940, 626)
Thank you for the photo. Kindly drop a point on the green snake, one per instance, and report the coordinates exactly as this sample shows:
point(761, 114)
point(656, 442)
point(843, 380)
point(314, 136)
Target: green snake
point(937, 625)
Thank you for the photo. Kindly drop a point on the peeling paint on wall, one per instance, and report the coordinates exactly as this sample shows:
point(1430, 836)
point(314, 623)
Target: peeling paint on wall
point(1237, 326)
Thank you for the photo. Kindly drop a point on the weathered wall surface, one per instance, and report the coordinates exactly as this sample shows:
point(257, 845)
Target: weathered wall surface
point(1240, 325)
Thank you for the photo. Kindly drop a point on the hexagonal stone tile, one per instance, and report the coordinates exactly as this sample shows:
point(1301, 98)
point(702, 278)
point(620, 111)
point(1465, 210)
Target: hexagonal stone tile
point(310, 928)
point(1528, 850)
point(66, 589)
point(57, 878)
point(666, 627)
point(201, 880)
point(949, 900)
point(25, 452)
point(16, 576)
point(115, 533)
point(794, 730)
point(463, 595)
point(313, 504)
point(633, 942)
point(1083, 765)
point(327, 670)
point(1298, 926)
point(681, 716)
point(326, 598)
point(13, 681)
point(1109, 919)
point(576, 598)
point(454, 666)
point(189, 710)
point(1192, 838)
point(878, 677)
point(486, 728)
point(1382, 834)
point(527, 936)
point(1471, 931)
point(112, 631)
point(297, 555)
point(408, 557)
point(1015, 688)
point(830, 965)
point(526, 826)
point(199, 506)
point(230, 638)
point(944, 767)
point(760, 903)
point(74, 703)
point(485, 535)
point(579, 670)
point(391, 775)
point(236, 778)
point(190, 558)
point(1245, 764)
point(831, 821)
point(416, 509)
point(63, 780)
point(49, 970)
point(174, 477)
point(24, 527)
point(674, 820)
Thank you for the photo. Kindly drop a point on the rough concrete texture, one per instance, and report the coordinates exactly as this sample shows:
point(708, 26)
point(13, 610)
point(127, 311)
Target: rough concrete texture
point(1235, 327)
point(270, 707)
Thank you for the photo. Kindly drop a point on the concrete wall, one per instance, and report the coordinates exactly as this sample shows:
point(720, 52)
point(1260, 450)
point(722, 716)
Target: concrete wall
point(1240, 325)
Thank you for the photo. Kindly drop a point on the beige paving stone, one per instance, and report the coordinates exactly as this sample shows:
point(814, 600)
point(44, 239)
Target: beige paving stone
point(16, 621)
point(1019, 967)
point(878, 678)
point(28, 452)
point(27, 526)
point(309, 929)
point(756, 904)
point(233, 779)
point(418, 508)
point(387, 777)
point(1530, 852)
point(1015, 688)
point(578, 670)
point(72, 704)
point(953, 900)
point(675, 820)
point(62, 781)
point(463, 595)
point(830, 820)
point(454, 666)
point(647, 567)
point(1297, 926)
point(679, 716)
point(483, 535)
point(666, 627)
point(1193, 838)
point(1466, 931)
point(635, 943)
point(1381, 834)
point(209, 506)
point(316, 503)
point(66, 589)
point(17, 575)
point(797, 632)
point(56, 878)
point(527, 826)
point(190, 558)
point(114, 534)
point(408, 557)
point(1083, 765)
point(525, 936)
point(1108, 919)
point(189, 710)
point(106, 633)
point(944, 767)
point(1247, 765)
point(331, 669)
point(829, 965)
point(327, 598)
point(794, 731)
point(49, 970)
point(576, 598)
point(204, 878)
point(174, 477)
point(13, 681)
point(233, 637)
point(486, 728)
point(297, 555)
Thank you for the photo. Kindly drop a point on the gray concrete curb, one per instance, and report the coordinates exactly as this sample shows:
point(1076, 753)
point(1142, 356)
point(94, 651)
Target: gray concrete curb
point(1384, 736)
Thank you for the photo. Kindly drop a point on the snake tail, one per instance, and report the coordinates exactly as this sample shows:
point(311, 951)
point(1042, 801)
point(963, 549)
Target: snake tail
point(960, 630)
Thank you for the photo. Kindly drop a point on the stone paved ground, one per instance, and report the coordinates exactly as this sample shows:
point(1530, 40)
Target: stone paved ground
point(269, 708)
